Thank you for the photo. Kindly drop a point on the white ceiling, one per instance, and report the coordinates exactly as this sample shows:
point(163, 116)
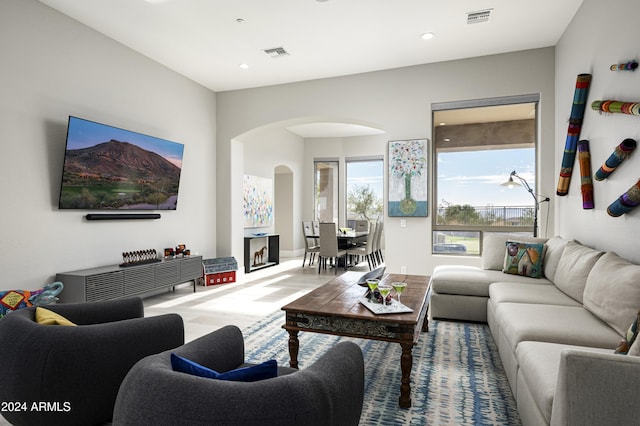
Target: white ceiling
point(202, 40)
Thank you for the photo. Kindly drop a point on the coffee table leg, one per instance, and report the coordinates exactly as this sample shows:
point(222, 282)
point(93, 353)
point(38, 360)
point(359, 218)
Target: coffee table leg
point(294, 344)
point(406, 362)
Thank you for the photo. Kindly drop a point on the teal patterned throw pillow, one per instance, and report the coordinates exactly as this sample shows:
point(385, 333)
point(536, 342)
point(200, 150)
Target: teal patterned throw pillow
point(625, 345)
point(523, 259)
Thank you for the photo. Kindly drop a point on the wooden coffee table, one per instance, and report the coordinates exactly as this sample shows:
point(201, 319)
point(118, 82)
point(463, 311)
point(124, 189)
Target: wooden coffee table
point(334, 308)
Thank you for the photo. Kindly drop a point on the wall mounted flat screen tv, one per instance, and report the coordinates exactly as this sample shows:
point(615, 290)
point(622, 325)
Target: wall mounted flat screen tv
point(107, 168)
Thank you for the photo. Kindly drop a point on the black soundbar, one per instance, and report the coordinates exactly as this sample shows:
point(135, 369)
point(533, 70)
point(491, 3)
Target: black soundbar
point(121, 216)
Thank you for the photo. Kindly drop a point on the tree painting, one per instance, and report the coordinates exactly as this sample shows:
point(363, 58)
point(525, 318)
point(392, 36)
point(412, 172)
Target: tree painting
point(408, 178)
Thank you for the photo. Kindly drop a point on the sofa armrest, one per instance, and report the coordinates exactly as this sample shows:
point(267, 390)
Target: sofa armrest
point(596, 389)
point(220, 350)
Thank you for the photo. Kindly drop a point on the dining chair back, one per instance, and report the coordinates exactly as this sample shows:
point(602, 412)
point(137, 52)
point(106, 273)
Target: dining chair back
point(329, 246)
point(361, 225)
point(378, 243)
point(366, 249)
point(311, 245)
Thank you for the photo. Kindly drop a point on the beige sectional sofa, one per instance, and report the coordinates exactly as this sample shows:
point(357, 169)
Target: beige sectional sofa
point(557, 334)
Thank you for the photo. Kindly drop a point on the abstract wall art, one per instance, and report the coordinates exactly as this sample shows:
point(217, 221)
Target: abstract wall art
point(258, 201)
point(581, 92)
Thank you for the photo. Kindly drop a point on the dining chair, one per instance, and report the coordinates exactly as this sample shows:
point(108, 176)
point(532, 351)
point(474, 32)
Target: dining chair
point(311, 244)
point(378, 244)
point(329, 246)
point(366, 249)
point(361, 225)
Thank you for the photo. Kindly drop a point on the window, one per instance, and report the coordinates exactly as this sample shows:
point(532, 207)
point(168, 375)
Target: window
point(477, 144)
point(326, 190)
point(364, 189)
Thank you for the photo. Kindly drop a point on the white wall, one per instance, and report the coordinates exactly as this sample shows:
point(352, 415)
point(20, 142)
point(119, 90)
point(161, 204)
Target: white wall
point(53, 67)
point(601, 34)
point(397, 101)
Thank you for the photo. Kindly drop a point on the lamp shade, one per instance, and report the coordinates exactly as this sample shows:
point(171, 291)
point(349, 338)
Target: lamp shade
point(510, 183)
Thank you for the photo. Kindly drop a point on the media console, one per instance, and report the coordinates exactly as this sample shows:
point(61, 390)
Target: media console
point(113, 282)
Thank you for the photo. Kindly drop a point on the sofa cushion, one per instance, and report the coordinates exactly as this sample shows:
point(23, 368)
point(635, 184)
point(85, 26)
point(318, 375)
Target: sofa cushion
point(493, 245)
point(574, 267)
point(470, 280)
point(554, 249)
point(539, 365)
point(529, 293)
point(571, 325)
point(523, 259)
point(612, 291)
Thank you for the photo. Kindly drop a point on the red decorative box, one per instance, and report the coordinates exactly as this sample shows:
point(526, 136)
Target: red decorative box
point(220, 278)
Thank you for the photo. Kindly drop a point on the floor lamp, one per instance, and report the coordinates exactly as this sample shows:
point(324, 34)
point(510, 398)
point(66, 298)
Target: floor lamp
point(537, 201)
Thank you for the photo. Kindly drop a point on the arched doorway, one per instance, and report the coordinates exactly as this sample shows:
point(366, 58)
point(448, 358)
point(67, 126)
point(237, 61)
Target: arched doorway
point(279, 151)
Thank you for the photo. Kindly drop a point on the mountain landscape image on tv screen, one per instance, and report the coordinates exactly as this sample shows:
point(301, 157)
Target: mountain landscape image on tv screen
point(110, 168)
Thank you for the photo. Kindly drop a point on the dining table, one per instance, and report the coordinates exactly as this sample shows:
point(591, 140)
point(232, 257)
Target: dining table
point(347, 237)
point(351, 238)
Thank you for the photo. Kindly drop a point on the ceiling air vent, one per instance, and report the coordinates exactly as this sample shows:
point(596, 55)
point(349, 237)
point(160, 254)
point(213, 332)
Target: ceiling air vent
point(276, 52)
point(479, 16)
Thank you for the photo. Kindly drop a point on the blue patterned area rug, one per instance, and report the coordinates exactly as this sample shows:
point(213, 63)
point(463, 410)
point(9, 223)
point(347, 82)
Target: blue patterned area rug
point(456, 379)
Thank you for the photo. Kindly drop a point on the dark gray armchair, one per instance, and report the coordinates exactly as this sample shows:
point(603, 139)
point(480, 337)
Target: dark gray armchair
point(78, 370)
point(328, 392)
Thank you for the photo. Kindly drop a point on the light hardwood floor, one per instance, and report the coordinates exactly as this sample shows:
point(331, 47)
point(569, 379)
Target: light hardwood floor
point(253, 297)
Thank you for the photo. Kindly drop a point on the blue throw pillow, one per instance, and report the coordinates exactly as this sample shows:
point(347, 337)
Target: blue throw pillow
point(266, 370)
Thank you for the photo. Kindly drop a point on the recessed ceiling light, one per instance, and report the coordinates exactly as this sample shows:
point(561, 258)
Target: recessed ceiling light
point(239, 20)
point(244, 66)
point(442, 124)
point(427, 36)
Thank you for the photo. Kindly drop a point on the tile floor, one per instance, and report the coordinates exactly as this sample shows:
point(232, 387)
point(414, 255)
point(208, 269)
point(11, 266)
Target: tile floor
point(251, 298)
